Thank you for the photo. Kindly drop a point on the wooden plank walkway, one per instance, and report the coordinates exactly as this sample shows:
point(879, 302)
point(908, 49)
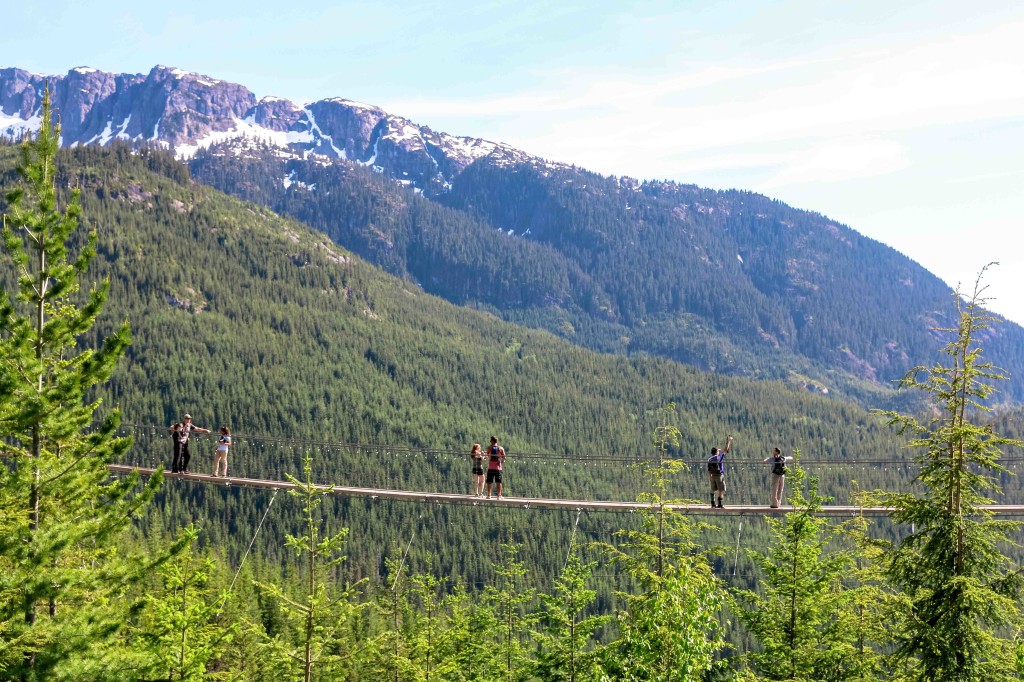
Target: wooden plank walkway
point(536, 503)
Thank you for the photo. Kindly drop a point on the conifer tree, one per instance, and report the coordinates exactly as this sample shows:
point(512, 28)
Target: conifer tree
point(392, 649)
point(567, 650)
point(323, 610)
point(807, 613)
point(962, 593)
point(669, 630)
point(509, 597)
point(182, 633)
point(430, 627)
point(61, 574)
point(466, 644)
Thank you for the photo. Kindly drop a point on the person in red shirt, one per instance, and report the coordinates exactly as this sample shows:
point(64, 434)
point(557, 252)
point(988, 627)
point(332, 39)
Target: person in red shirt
point(494, 466)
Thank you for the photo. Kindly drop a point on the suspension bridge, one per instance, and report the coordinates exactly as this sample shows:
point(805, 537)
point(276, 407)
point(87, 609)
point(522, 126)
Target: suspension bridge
point(533, 502)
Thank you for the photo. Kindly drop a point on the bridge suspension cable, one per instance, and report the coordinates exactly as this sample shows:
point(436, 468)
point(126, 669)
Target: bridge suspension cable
point(733, 460)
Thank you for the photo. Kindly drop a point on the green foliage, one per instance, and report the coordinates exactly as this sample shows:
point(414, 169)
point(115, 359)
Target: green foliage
point(509, 597)
point(62, 575)
point(670, 629)
point(729, 281)
point(566, 639)
point(243, 318)
point(250, 320)
point(466, 645)
point(322, 611)
point(809, 611)
point(182, 631)
point(431, 625)
point(962, 592)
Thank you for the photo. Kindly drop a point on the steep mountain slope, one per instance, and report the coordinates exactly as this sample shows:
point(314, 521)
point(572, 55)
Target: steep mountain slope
point(731, 282)
point(728, 281)
point(273, 328)
point(245, 318)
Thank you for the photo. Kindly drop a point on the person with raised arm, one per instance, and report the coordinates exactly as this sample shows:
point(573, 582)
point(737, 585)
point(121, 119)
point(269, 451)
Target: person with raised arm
point(187, 427)
point(716, 473)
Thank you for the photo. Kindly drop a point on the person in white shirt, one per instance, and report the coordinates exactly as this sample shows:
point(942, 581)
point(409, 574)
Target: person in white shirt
point(223, 443)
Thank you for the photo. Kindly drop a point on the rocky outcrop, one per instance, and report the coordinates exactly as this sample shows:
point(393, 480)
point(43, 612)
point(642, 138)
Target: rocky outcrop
point(188, 112)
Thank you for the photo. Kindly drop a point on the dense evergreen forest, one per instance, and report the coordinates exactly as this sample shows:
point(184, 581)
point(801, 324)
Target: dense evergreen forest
point(245, 318)
point(728, 281)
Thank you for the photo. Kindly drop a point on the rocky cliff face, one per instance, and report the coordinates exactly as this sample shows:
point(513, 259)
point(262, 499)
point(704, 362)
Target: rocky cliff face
point(187, 112)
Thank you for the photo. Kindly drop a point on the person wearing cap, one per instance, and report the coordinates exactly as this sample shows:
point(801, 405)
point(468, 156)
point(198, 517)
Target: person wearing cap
point(184, 431)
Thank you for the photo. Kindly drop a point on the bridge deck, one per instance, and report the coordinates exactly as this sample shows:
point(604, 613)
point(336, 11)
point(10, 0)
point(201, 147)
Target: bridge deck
point(533, 502)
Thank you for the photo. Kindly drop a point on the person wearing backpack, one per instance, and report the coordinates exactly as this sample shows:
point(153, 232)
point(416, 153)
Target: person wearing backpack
point(716, 473)
point(495, 464)
point(778, 462)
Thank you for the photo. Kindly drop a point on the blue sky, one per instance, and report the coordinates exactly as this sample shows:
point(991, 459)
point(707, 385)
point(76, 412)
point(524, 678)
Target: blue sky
point(903, 120)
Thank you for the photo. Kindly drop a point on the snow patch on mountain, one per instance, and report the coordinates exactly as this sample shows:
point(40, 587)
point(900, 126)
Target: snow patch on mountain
point(467, 147)
point(188, 112)
point(15, 126)
point(352, 104)
point(403, 131)
point(314, 128)
point(244, 128)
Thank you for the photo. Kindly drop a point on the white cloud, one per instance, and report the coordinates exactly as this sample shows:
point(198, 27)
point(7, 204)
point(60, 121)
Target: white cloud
point(839, 160)
point(599, 120)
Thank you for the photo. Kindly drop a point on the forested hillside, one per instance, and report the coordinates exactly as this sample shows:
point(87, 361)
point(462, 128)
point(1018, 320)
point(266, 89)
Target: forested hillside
point(245, 318)
point(731, 282)
point(728, 281)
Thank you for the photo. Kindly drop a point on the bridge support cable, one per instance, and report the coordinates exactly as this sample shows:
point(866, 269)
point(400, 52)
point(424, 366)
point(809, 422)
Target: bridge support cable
point(736, 555)
point(572, 538)
point(401, 564)
point(251, 543)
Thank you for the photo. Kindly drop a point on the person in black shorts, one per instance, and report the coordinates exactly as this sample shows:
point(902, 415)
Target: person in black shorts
point(495, 464)
point(477, 455)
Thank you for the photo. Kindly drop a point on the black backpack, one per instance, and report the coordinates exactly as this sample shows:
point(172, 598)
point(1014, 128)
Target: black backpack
point(779, 468)
point(714, 467)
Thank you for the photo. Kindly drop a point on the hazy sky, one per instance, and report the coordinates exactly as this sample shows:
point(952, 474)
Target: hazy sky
point(903, 120)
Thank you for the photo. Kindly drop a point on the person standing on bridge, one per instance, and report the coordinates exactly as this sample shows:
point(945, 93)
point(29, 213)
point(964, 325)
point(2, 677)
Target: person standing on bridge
point(223, 443)
point(187, 427)
point(495, 465)
point(716, 473)
point(176, 444)
point(778, 461)
point(477, 455)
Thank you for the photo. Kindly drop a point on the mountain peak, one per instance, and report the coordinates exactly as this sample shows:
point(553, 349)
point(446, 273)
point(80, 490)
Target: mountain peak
point(189, 112)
